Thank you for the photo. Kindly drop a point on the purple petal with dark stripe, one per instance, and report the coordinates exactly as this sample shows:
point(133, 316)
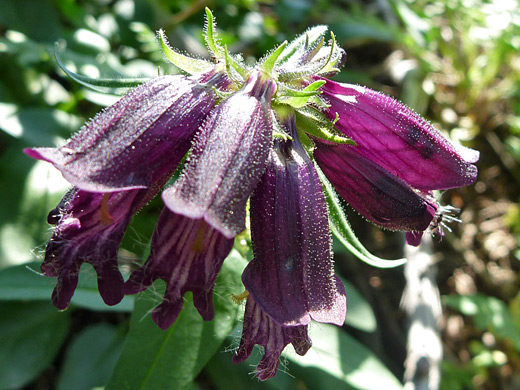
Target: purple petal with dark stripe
point(187, 254)
point(146, 131)
point(227, 160)
point(291, 277)
point(89, 229)
point(260, 329)
point(375, 193)
point(396, 138)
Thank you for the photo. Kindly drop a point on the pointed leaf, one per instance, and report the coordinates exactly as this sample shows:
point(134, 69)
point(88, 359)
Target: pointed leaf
point(113, 86)
point(185, 63)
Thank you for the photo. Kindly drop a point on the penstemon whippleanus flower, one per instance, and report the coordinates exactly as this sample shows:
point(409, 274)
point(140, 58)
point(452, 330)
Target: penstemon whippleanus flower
point(267, 142)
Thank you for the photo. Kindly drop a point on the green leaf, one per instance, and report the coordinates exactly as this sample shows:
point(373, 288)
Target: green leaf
point(359, 313)
point(24, 282)
point(489, 314)
point(171, 359)
point(91, 357)
point(31, 334)
point(185, 63)
point(344, 233)
point(339, 356)
point(113, 86)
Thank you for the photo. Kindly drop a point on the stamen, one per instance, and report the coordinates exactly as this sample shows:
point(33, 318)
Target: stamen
point(106, 218)
point(238, 298)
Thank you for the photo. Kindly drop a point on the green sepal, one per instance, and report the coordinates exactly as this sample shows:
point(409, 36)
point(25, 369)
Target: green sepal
point(211, 34)
point(299, 98)
point(307, 143)
point(309, 38)
point(279, 113)
point(112, 86)
point(330, 64)
point(269, 62)
point(185, 63)
point(236, 72)
point(341, 228)
point(325, 131)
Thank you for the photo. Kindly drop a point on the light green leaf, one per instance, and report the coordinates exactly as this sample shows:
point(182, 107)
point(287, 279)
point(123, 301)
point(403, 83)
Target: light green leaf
point(31, 334)
point(113, 86)
point(24, 282)
point(344, 233)
point(339, 355)
point(171, 359)
point(359, 312)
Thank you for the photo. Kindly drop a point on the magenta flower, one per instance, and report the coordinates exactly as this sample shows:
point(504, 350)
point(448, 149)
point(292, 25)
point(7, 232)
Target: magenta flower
point(251, 134)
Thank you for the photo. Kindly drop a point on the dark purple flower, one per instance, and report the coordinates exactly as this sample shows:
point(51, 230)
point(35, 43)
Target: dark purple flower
point(187, 254)
point(397, 139)
point(291, 276)
point(142, 136)
point(89, 229)
point(260, 329)
point(398, 160)
point(118, 162)
point(206, 206)
point(236, 124)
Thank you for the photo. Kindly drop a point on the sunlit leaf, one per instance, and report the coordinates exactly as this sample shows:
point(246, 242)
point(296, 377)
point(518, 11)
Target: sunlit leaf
point(171, 359)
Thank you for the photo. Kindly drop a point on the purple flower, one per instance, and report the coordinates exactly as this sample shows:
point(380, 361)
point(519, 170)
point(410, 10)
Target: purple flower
point(291, 277)
point(117, 163)
point(250, 135)
point(260, 329)
point(206, 207)
point(398, 160)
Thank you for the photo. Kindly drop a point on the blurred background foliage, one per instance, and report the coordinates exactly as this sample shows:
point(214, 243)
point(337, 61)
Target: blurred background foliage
point(455, 61)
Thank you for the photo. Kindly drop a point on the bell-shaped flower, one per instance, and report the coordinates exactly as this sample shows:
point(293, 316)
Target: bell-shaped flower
point(291, 277)
point(117, 163)
point(206, 206)
point(89, 229)
point(397, 139)
point(260, 329)
point(399, 159)
point(131, 143)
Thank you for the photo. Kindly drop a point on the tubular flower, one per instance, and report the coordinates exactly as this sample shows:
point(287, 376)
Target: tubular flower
point(263, 134)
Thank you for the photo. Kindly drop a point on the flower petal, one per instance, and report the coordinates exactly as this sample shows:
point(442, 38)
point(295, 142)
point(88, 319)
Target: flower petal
point(227, 160)
point(130, 143)
point(260, 329)
point(187, 254)
point(291, 276)
point(89, 229)
point(374, 192)
point(396, 138)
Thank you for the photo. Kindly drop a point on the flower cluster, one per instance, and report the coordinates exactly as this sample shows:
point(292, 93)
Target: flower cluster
point(265, 135)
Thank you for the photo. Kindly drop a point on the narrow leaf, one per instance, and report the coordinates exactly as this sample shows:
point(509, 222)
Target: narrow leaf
point(343, 231)
point(326, 132)
point(211, 34)
point(268, 64)
point(113, 86)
